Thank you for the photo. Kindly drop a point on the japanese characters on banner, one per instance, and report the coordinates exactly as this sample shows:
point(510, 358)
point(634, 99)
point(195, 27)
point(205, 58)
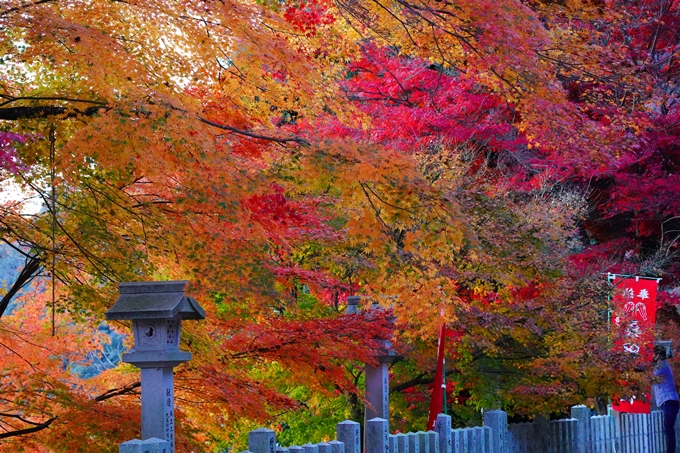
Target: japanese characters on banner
point(633, 318)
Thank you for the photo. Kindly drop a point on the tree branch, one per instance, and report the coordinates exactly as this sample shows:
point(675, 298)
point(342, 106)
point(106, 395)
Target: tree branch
point(10, 99)
point(30, 270)
point(24, 6)
point(117, 392)
point(418, 380)
point(298, 140)
point(19, 432)
point(19, 113)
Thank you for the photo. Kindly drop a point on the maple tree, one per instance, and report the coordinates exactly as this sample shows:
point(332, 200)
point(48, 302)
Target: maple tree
point(511, 303)
point(115, 103)
point(606, 75)
point(217, 142)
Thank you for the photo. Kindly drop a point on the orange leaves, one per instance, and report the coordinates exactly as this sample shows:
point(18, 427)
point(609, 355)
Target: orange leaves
point(38, 385)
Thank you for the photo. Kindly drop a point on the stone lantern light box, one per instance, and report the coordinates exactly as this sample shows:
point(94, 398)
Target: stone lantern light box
point(156, 310)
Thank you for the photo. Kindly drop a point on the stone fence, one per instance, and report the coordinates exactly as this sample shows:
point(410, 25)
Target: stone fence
point(583, 433)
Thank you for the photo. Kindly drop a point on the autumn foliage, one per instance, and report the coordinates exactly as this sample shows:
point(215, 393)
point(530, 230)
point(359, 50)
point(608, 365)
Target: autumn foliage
point(478, 164)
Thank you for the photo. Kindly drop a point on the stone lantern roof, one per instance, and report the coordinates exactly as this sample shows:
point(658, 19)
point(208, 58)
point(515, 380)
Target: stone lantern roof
point(154, 300)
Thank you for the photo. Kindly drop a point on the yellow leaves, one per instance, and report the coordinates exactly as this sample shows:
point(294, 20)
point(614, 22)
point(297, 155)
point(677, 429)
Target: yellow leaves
point(97, 49)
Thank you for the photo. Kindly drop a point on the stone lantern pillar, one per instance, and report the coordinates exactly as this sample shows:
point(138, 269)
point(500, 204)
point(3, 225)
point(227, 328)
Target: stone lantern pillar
point(377, 377)
point(378, 384)
point(156, 310)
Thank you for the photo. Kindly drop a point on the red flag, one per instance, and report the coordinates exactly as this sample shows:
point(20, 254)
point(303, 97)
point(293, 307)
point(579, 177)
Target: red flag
point(438, 391)
point(633, 317)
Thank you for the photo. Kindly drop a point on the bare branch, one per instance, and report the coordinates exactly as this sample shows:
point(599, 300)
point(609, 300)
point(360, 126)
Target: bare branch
point(298, 140)
point(18, 113)
point(20, 432)
point(120, 391)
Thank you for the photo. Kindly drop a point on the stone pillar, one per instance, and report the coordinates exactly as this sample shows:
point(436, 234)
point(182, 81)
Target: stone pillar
point(378, 385)
point(443, 427)
point(158, 404)
point(377, 436)
point(423, 442)
point(262, 440)
point(582, 414)
point(377, 378)
point(158, 395)
point(377, 392)
point(295, 449)
point(402, 443)
point(413, 443)
point(337, 446)
point(324, 447)
point(310, 448)
point(433, 441)
point(349, 433)
point(497, 420)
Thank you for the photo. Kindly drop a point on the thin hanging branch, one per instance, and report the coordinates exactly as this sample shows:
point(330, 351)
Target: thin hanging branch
point(54, 226)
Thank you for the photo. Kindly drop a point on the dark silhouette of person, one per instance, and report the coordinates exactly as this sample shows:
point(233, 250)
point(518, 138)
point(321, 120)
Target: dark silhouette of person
point(665, 395)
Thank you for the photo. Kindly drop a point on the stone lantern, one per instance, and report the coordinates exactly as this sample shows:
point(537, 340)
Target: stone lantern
point(156, 310)
point(377, 377)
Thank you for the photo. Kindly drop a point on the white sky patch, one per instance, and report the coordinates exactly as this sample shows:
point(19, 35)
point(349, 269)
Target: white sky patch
point(11, 194)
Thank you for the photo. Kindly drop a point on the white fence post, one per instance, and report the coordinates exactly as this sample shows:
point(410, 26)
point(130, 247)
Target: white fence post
point(310, 448)
point(402, 443)
point(413, 443)
point(457, 441)
point(324, 447)
point(564, 436)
